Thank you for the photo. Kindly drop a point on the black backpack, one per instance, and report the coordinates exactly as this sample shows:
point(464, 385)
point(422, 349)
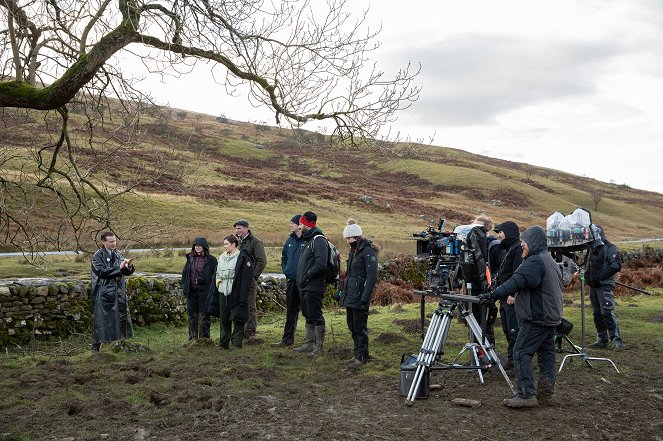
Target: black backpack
point(333, 272)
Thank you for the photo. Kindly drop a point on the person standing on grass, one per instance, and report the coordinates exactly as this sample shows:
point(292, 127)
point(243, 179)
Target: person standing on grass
point(197, 282)
point(311, 282)
point(230, 301)
point(358, 284)
point(110, 307)
point(256, 250)
point(292, 250)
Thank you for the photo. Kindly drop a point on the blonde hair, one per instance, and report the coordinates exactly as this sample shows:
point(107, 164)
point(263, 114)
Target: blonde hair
point(485, 221)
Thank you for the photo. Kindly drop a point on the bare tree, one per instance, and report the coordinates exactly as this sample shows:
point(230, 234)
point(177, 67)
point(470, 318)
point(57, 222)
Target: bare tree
point(307, 60)
point(597, 196)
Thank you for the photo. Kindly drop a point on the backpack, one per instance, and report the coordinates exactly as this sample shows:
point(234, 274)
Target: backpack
point(333, 271)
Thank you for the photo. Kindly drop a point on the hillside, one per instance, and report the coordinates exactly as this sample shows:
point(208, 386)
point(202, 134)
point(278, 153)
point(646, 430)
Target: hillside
point(215, 170)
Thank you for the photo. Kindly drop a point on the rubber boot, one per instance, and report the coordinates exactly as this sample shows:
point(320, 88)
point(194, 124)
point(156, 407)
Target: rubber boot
point(309, 340)
point(319, 341)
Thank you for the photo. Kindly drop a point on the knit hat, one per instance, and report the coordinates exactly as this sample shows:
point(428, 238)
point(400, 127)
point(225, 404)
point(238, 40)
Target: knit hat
point(352, 229)
point(309, 219)
point(241, 222)
point(295, 219)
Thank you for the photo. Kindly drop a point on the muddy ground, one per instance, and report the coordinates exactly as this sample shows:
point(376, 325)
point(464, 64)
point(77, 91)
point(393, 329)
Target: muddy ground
point(197, 391)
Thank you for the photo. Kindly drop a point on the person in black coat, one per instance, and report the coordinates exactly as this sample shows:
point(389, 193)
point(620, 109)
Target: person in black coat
point(358, 284)
point(311, 282)
point(509, 235)
point(230, 300)
point(604, 262)
point(110, 307)
point(197, 283)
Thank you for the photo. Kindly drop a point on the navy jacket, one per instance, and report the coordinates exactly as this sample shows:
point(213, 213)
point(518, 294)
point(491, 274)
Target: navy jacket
point(360, 276)
point(292, 250)
point(537, 282)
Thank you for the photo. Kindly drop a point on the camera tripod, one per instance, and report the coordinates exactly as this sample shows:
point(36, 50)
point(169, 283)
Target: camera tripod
point(436, 339)
point(582, 352)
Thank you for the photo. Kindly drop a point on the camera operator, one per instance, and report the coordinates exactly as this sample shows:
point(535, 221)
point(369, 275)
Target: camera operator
point(604, 262)
point(537, 285)
point(197, 283)
point(509, 235)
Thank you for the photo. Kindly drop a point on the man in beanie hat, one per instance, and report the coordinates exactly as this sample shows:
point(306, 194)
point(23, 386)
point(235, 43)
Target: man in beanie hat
point(292, 250)
point(537, 286)
point(311, 282)
point(358, 284)
point(256, 250)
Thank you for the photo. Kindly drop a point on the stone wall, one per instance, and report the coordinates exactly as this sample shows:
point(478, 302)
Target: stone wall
point(42, 308)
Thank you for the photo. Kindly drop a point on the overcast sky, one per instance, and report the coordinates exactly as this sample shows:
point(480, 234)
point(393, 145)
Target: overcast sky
point(567, 84)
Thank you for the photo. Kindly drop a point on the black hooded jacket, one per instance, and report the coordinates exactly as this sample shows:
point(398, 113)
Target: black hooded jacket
point(312, 266)
point(209, 270)
point(361, 276)
point(604, 262)
point(537, 282)
point(512, 251)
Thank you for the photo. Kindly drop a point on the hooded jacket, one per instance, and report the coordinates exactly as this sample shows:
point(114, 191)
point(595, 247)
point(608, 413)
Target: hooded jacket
point(512, 251)
point(537, 281)
point(312, 266)
point(238, 300)
point(604, 262)
point(209, 269)
point(360, 276)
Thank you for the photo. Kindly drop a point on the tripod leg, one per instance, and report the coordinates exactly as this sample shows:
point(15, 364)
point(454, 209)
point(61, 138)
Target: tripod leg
point(436, 334)
point(475, 356)
point(487, 347)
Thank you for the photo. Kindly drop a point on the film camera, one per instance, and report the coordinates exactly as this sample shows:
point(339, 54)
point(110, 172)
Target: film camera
point(441, 250)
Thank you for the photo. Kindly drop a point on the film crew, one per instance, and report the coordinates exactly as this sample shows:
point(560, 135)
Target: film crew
point(256, 250)
point(487, 255)
point(197, 283)
point(292, 250)
point(603, 263)
point(537, 285)
point(230, 301)
point(311, 283)
point(110, 307)
point(509, 235)
point(358, 284)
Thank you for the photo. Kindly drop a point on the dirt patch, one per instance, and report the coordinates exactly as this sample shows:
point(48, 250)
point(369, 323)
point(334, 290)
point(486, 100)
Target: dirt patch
point(388, 337)
point(411, 326)
point(658, 318)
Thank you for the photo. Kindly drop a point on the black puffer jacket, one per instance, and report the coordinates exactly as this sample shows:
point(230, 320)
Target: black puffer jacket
point(360, 276)
point(209, 270)
point(604, 262)
point(312, 266)
point(513, 252)
point(538, 283)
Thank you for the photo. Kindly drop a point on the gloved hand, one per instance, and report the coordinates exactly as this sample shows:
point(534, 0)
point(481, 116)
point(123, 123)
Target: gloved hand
point(486, 298)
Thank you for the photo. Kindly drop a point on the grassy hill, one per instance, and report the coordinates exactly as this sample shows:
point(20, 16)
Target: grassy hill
point(216, 170)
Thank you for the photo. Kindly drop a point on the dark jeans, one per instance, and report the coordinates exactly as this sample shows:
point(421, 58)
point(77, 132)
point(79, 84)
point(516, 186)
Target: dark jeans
point(252, 324)
point(230, 330)
point(199, 321)
point(534, 339)
point(509, 326)
point(311, 302)
point(603, 307)
point(358, 325)
point(292, 311)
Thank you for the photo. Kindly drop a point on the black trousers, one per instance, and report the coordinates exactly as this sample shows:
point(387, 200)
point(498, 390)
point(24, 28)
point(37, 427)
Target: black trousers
point(311, 303)
point(199, 321)
point(534, 339)
point(509, 325)
point(292, 311)
point(358, 325)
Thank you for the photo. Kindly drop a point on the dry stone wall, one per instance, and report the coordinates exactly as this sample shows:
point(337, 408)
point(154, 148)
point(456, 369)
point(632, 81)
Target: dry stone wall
point(54, 308)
